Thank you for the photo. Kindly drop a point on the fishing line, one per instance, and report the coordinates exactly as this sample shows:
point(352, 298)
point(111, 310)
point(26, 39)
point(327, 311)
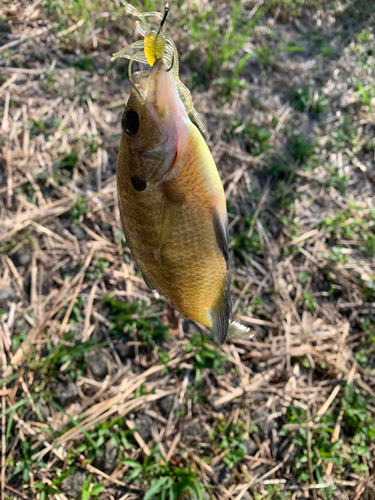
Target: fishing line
point(166, 10)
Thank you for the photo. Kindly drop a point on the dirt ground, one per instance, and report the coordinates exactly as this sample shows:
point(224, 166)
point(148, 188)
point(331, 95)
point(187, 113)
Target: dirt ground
point(105, 392)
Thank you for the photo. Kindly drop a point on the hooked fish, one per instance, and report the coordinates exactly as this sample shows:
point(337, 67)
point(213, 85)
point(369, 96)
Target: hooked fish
point(171, 198)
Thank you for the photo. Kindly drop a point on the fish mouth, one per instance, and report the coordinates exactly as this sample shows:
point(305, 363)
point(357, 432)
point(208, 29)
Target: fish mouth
point(157, 90)
point(139, 83)
point(146, 83)
point(158, 66)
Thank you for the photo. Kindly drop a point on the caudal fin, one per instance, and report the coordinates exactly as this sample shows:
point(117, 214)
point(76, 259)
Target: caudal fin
point(238, 331)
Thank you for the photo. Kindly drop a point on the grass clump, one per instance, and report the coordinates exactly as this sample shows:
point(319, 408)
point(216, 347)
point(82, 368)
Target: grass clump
point(222, 45)
point(69, 356)
point(305, 99)
point(355, 225)
point(163, 480)
point(136, 319)
point(230, 438)
point(316, 443)
point(79, 209)
point(257, 139)
point(301, 148)
point(206, 355)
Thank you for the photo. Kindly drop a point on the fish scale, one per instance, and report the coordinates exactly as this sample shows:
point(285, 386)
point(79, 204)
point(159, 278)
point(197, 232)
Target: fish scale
point(189, 279)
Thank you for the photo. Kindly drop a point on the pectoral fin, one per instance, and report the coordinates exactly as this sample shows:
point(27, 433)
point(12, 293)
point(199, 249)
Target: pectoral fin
point(170, 211)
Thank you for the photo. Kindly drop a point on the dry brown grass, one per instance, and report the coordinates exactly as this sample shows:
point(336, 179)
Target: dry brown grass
point(304, 287)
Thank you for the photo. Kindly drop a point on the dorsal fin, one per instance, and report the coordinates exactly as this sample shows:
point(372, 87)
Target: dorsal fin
point(221, 233)
point(221, 311)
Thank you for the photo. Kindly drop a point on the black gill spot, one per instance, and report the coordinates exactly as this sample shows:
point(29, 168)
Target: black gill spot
point(138, 183)
point(130, 122)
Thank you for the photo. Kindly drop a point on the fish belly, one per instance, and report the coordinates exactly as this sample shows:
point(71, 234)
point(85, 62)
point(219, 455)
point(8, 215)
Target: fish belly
point(194, 266)
point(190, 270)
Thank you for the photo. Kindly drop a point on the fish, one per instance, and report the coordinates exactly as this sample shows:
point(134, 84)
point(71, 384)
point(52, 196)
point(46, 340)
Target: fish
point(171, 198)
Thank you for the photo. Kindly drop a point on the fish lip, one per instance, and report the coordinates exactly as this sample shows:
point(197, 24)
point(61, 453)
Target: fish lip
point(150, 75)
point(158, 65)
point(137, 76)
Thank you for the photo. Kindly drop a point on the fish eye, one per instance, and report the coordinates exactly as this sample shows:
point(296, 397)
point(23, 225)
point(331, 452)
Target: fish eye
point(130, 122)
point(138, 183)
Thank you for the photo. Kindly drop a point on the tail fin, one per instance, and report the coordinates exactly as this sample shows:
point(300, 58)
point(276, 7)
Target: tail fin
point(238, 331)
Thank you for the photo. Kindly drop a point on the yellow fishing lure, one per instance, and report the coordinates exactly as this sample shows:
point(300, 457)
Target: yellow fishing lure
point(156, 45)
